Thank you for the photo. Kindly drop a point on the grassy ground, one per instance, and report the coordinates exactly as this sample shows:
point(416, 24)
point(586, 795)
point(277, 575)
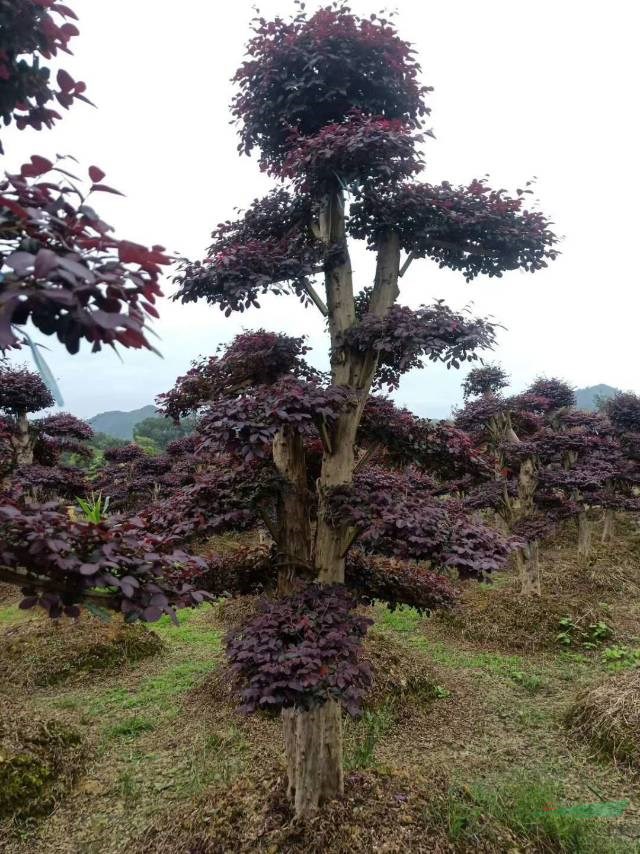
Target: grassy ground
point(486, 730)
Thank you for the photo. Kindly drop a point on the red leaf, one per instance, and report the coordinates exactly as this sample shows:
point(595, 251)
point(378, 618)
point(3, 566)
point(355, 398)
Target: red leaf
point(102, 188)
point(96, 174)
point(46, 261)
point(65, 80)
point(38, 166)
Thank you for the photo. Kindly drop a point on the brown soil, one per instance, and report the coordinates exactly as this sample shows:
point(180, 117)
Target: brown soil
point(380, 812)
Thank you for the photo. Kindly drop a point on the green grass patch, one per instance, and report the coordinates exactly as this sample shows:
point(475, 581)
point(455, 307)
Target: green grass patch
point(191, 631)
point(368, 730)
point(620, 657)
point(403, 619)
point(130, 728)
point(159, 692)
point(10, 614)
point(532, 810)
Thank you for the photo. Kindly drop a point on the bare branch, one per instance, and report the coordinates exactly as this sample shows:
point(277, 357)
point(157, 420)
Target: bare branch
point(315, 298)
point(405, 266)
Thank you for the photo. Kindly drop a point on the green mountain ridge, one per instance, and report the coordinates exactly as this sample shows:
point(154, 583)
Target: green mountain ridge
point(587, 398)
point(120, 424)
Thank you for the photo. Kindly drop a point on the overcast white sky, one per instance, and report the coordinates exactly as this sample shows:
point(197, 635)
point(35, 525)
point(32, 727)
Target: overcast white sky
point(521, 89)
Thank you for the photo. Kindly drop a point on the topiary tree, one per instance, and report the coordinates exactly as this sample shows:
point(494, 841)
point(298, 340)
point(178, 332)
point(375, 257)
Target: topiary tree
point(333, 103)
point(21, 392)
point(484, 380)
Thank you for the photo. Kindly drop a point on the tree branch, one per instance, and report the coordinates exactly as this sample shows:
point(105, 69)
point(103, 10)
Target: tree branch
point(407, 263)
point(315, 298)
point(325, 437)
point(268, 523)
point(385, 287)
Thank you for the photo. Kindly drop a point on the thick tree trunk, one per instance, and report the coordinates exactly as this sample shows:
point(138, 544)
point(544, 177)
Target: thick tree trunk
point(313, 742)
point(293, 537)
point(529, 570)
point(609, 527)
point(528, 559)
point(21, 442)
point(584, 535)
point(313, 739)
point(353, 371)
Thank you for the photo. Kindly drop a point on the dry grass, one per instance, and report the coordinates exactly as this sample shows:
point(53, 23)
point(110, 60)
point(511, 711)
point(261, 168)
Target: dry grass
point(43, 652)
point(380, 812)
point(8, 594)
point(39, 761)
point(229, 613)
point(608, 717)
point(604, 588)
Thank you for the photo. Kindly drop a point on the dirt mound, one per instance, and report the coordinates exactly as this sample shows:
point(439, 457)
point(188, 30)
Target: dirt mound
point(230, 613)
point(399, 673)
point(575, 594)
point(45, 652)
point(608, 717)
point(39, 762)
point(503, 619)
point(380, 812)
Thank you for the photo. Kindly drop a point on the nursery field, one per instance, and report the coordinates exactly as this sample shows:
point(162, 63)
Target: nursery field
point(508, 725)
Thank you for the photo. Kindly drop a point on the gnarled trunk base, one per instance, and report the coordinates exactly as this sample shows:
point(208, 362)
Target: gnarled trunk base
point(609, 527)
point(22, 442)
point(313, 746)
point(528, 561)
point(584, 535)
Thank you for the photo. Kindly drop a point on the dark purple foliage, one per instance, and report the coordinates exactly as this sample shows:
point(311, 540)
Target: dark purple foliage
point(247, 424)
point(398, 582)
point(44, 482)
point(623, 411)
point(33, 31)
point(313, 71)
point(22, 391)
point(438, 449)
point(557, 392)
point(252, 358)
point(301, 651)
point(63, 269)
point(472, 229)
point(60, 563)
point(400, 517)
point(406, 336)
point(358, 149)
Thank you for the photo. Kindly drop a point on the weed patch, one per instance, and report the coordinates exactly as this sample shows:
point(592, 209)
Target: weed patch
point(518, 812)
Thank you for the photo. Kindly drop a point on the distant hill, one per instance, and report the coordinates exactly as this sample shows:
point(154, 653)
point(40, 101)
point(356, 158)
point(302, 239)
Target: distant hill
point(587, 398)
point(120, 424)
